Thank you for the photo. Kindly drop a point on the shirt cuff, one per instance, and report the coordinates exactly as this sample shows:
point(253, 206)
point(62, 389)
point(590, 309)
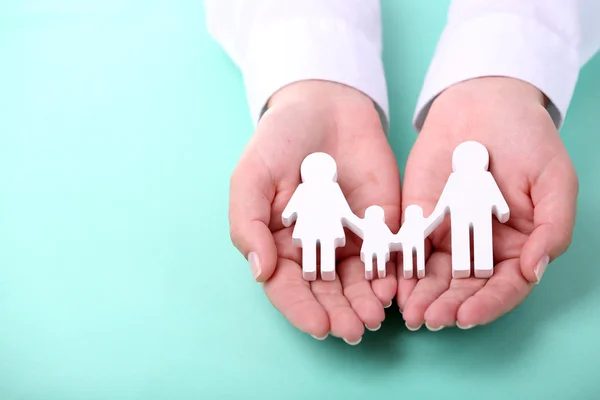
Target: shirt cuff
point(502, 45)
point(288, 51)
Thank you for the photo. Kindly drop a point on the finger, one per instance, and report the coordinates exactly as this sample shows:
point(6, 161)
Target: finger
point(554, 196)
point(360, 294)
point(343, 321)
point(406, 286)
point(500, 295)
point(292, 296)
point(385, 288)
point(251, 194)
point(428, 289)
point(442, 312)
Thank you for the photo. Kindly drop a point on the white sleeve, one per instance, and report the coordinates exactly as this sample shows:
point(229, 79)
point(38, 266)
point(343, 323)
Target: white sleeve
point(542, 42)
point(278, 42)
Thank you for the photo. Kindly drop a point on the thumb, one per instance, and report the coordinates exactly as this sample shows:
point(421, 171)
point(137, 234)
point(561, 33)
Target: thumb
point(251, 194)
point(554, 196)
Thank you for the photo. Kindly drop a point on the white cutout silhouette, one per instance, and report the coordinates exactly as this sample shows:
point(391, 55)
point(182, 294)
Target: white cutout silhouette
point(470, 196)
point(377, 238)
point(320, 210)
point(411, 240)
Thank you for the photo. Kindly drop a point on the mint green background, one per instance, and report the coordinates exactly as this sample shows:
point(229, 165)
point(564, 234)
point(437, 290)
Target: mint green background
point(120, 123)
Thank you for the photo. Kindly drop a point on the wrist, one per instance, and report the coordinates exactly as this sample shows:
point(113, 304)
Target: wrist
point(330, 97)
point(487, 98)
point(494, 88)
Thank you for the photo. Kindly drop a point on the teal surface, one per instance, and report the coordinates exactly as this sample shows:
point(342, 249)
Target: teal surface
point(120, 123)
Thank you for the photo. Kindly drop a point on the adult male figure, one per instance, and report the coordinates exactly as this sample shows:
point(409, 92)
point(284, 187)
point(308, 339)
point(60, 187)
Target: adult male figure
point(470, 196)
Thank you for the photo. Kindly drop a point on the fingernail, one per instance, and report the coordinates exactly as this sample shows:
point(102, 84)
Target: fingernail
point(374, 329)
point(254, 264)
point(541, 267)
point(389, 305)
point(465, 327)
point(434, 329)
point(353, 343)
point(321, 338)
point(410, 328)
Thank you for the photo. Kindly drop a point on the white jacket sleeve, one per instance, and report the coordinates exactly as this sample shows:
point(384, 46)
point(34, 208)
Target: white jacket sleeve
point(542, 42)
point(275, 43)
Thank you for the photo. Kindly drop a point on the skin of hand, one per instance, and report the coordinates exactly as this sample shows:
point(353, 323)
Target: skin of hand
point(536, 177)
point(303, 118)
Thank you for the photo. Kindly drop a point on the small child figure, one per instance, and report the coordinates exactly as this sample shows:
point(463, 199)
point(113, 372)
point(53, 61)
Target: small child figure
point(376, 241)
point(411, 238)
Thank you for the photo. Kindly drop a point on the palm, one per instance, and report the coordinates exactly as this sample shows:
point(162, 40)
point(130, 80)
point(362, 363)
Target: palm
point(522, 151)
point(367, 174)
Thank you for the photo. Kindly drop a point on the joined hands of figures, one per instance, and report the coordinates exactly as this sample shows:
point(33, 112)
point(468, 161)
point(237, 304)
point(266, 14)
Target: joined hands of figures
point(320, 213)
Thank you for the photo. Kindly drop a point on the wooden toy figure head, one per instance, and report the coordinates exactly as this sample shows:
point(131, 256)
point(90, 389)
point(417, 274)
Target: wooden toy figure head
point(470, 156)
point(318, 167)
point(375, 213)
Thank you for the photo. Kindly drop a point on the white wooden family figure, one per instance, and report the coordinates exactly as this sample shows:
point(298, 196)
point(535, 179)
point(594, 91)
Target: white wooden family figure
point(320, 212)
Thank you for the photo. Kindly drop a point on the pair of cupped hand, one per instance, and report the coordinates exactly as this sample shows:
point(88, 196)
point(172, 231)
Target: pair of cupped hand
point(530, 165)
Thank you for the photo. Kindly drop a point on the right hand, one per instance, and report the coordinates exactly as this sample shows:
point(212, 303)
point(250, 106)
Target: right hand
point(303, 118)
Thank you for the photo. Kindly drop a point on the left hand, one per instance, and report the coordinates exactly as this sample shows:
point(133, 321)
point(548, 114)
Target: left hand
point(534, 172)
